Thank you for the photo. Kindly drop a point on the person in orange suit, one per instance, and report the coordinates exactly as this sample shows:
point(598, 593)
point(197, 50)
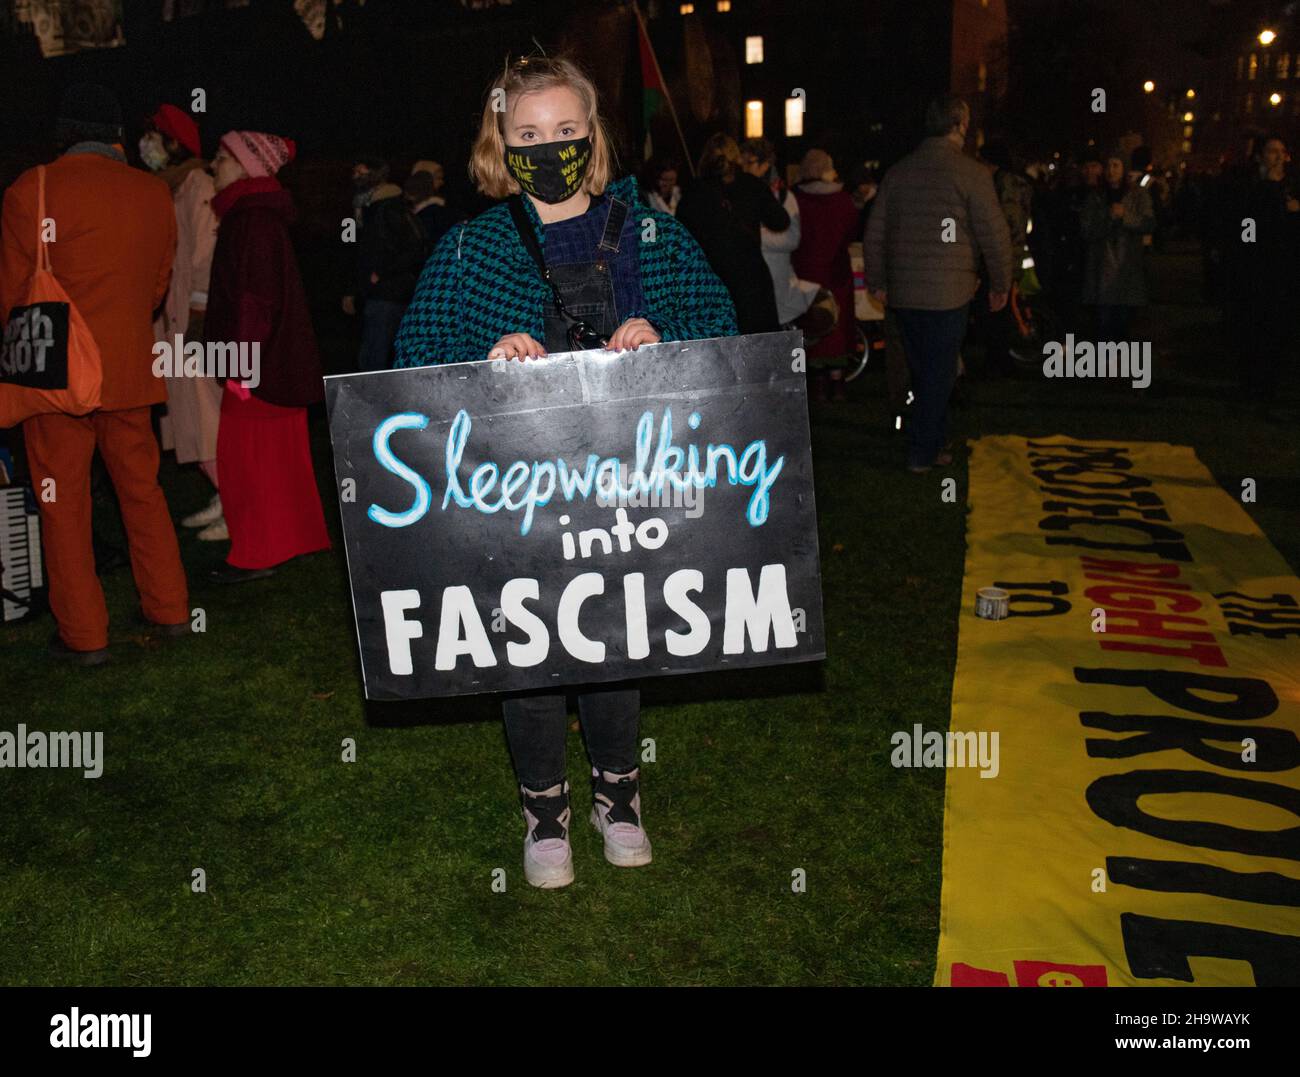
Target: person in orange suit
point(115, 237)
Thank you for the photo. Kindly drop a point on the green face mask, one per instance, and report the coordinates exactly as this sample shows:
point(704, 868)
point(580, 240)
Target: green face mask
point(552, 171)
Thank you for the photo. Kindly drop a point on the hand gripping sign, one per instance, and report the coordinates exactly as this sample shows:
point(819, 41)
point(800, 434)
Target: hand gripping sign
point(580, 518)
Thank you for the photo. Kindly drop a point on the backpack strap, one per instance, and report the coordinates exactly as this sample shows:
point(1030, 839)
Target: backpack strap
point(42, 245)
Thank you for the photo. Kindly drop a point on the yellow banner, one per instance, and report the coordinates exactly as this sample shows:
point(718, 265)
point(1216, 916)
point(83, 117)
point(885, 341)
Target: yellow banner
point(1123, 786)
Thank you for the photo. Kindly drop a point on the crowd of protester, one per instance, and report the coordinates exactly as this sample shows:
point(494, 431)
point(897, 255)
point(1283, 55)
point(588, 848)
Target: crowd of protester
point(179, 250)
point(1069, 237)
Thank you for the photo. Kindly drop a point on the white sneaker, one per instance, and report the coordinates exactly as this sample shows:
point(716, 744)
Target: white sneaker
point(548, 857)
point(211, 514)
point(616, 813)
point(215, 532)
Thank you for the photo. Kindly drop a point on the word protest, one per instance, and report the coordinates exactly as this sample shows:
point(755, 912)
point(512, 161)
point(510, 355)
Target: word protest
point(590, 517)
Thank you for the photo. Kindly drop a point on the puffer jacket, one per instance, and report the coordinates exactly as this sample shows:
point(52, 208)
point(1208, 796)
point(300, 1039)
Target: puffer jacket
point(905, 244)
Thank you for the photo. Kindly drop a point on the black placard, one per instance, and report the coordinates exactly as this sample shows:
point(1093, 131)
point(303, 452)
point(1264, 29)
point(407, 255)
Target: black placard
point(407, 443)
point(34, 353)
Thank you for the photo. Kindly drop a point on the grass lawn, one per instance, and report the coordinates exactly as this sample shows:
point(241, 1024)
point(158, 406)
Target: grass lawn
point(222, 752)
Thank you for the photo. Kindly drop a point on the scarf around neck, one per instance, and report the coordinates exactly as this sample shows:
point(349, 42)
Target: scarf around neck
point(224, 199)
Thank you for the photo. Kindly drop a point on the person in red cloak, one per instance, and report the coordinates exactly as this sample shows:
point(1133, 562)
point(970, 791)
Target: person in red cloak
point(255, 295)
point(830, 223)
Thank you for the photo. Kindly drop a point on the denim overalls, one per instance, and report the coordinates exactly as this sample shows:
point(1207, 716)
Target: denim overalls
point(537, 722)
point(587, 286)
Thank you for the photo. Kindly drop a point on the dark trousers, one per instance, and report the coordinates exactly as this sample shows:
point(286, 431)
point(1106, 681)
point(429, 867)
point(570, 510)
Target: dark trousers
point(537, 725)
point(380, 319)
point(995, 329)
point(931, 340)
point(1262, 326)
point(1113, 322)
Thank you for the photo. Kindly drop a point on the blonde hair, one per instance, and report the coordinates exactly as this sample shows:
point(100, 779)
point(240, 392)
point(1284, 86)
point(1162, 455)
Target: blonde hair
point(720, 157)
point(487, 161)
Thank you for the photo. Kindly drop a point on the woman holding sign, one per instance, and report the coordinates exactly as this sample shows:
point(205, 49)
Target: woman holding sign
point(571, 260)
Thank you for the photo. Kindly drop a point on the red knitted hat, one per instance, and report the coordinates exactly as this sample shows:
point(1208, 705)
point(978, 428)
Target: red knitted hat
point(174, 123)
point(260, 154)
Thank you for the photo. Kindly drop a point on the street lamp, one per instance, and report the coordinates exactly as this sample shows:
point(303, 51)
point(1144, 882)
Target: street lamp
point(1188, 117)
point(1191, 94)
point(1148, 86)
point(1267, 37)
point(1275, 99)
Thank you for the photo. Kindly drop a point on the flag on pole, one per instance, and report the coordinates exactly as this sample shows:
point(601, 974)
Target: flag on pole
point(654, 94)
point(654, 90)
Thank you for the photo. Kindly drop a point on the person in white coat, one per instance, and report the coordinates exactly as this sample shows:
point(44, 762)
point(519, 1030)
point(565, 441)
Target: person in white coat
point(797, 301)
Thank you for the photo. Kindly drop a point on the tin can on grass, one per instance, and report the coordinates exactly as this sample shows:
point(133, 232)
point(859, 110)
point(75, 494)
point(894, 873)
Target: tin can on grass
point(992, 603)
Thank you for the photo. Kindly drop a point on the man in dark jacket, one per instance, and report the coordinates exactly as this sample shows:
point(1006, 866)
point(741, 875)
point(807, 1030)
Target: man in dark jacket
point(391, 249)
point(1261, 240)
point(936, 218)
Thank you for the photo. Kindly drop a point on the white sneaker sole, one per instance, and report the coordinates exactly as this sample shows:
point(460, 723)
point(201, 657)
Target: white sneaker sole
point(619, 855)
point(548, 876)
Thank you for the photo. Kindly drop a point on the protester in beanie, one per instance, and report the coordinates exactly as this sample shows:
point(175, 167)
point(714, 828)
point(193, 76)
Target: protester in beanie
point(482, 296)
point(830, 224)
point(1115, 219)
point(171, 149)
point(272, 506)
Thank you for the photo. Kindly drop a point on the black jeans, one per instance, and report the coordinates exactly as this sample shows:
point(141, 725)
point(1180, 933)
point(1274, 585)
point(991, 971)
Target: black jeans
point(537, 724)
point(931, 340)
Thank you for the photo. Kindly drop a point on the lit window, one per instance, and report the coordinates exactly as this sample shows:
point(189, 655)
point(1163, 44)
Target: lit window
point(754, 50)
point(793, 117)
point(982, 78)
point(724, 5)
point(1187, 131)
point(1241, 66)
point(1187, 147)
point(753, 119)
point(1284, 65)
point(687, 9)
point(1250, 103)
point(1252, 66)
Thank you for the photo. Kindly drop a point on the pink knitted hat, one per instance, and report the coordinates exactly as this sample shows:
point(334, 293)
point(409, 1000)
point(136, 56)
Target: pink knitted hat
point(260, 154)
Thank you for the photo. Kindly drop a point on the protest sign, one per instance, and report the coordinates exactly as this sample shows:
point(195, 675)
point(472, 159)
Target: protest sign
point(581, 518)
